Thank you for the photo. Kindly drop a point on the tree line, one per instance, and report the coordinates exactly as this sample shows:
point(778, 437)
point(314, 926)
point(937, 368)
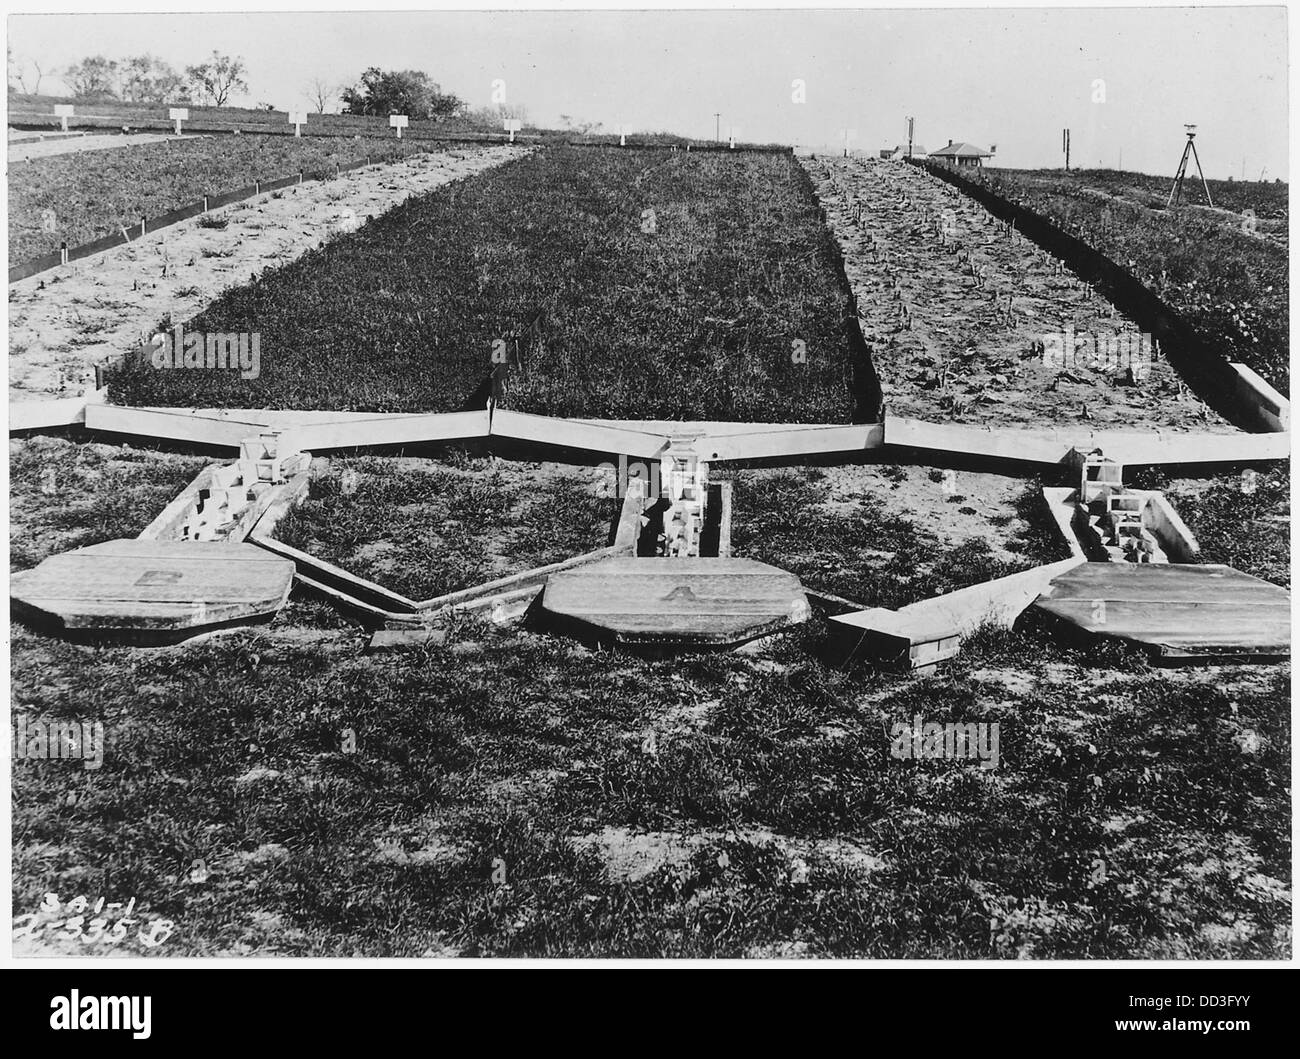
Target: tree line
point(146, 79)
point(139, 79)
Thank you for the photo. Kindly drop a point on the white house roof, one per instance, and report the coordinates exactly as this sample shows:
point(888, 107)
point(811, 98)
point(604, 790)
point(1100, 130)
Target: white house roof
point(960, 150)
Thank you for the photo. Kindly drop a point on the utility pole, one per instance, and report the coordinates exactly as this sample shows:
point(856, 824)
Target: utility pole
point(1189, 149)
point(1065, 146)
point(717, 127)
point(909, 137)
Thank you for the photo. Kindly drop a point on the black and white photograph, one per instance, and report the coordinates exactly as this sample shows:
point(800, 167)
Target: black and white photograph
point(765, 486)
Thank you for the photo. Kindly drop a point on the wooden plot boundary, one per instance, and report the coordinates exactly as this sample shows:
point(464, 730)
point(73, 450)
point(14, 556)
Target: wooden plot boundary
point(45, 415)
point(374, 597)
point(1054, 447)
point(591, 436)
point(398, 430)
point(927, 632)
point(315, 431)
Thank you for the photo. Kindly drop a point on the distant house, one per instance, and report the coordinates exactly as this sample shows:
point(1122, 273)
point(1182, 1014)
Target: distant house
point(961, 154)
point(899, 152)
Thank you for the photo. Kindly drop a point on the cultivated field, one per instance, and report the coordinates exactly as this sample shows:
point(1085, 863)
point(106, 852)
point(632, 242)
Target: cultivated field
point(956, 308)
point(665, 284)
point(1224, 272)
point(62, 323)
point(96, 193)
point(276, 791)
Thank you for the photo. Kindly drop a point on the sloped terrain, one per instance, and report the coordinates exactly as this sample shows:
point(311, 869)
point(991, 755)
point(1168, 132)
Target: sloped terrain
point(962, 314)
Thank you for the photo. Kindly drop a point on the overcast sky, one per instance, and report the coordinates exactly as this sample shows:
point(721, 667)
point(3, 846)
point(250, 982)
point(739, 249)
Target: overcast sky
point(1010, 77)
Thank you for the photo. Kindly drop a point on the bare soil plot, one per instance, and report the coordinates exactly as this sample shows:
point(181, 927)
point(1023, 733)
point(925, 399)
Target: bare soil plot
point(29, 150)
point(63, 322)
point(958, 322)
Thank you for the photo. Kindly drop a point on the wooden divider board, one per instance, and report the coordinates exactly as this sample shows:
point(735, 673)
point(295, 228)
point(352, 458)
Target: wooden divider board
point(1052, 447)
point(391, 430)
point(318, 570)
point(144, 589)
point(573, 433)
point(41, 415)
point(1180, 611)
point(174, 426)
point(790, 441)
point(323, 430)
point(675, 602)
point(931, 630)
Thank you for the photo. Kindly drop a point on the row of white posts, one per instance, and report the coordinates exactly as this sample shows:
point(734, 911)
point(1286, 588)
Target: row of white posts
point(297, 118)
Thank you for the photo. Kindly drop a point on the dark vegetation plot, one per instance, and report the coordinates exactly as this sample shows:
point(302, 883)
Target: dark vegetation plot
point(424, 530)
point(1231, 284)
point(689, 313)
point(93, 193)
point(872, 553)
point(1243, 520)
point(65, 495)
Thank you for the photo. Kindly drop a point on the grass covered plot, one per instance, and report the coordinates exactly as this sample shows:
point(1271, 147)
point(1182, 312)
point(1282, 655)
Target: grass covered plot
point(93, 193)
point(500, 799)
point(424, 529)
point(674, 285)
point(276, 792)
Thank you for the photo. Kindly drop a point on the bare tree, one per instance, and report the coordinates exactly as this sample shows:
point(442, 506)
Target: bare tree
point(321, 93)
point(18, 75)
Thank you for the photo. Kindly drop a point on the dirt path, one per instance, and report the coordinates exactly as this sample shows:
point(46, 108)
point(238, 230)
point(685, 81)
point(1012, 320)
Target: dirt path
point(63, 322)
point(958, 310)
point(25, 150)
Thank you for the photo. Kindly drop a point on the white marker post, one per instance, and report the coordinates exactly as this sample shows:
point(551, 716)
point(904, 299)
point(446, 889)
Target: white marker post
point(734, 131)
point(298, 119)
point(63, 111)
point(512, 126)
point(848, 135)
point(622, 135)
point(179, 114)
point(398, 122)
